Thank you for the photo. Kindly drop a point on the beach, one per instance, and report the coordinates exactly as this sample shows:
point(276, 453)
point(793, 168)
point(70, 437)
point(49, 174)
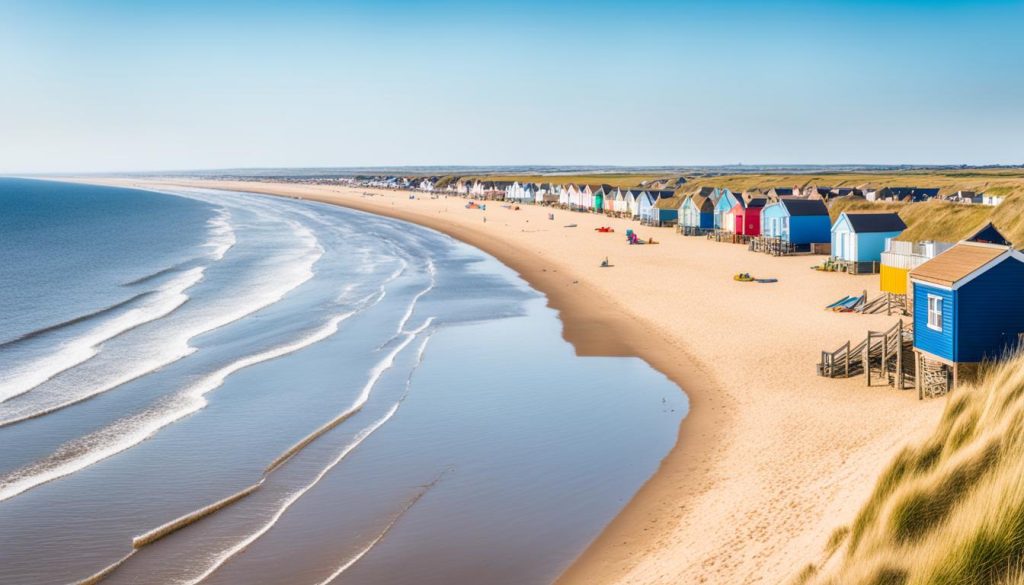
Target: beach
point(771, 458)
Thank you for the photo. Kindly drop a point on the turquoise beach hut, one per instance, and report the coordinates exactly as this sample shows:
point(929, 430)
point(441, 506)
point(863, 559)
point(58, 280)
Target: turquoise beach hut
point(858, 239)
point(726, 201)
point(967, 309)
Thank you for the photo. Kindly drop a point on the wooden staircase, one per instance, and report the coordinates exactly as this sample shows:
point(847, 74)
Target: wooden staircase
point(888, 355)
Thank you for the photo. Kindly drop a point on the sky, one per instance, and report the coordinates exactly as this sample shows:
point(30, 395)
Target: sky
point(118, 85)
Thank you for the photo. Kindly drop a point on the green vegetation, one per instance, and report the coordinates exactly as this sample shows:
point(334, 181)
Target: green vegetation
point(949, 510)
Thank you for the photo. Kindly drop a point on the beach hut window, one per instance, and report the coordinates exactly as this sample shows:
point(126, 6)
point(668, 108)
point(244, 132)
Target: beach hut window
point(935, 312)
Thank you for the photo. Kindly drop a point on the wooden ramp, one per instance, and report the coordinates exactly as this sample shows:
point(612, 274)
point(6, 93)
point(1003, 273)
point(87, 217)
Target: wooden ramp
point(883, 355)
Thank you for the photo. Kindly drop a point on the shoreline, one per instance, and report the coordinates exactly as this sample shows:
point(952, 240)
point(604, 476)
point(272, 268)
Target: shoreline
point(682, 523)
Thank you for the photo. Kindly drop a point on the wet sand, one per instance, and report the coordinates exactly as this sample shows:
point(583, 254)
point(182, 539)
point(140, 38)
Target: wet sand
point(771, 457)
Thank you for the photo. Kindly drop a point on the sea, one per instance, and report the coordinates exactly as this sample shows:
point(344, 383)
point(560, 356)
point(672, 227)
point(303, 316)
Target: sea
point(200, 386)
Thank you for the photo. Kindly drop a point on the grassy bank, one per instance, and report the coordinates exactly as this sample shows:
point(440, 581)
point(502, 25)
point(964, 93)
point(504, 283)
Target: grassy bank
point(949, 510)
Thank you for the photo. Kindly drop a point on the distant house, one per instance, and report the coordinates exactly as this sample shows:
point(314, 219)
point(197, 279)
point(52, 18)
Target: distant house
point(776, 193)
point(967, 309)
point(992, 200)
point(697, 214)
point(726, 201)
point(858, 239)
point(965, 198)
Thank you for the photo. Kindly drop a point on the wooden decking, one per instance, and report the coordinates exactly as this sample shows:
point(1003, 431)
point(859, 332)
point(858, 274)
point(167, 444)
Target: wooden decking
point(886, 355)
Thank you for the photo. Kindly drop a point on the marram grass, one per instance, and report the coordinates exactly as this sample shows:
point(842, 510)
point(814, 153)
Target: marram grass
point(947, 511)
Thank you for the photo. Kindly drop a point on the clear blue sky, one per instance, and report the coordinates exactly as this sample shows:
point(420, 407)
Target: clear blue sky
point(113, 85)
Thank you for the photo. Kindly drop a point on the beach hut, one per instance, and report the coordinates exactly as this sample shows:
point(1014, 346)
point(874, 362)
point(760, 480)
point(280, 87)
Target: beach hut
point(858, 239)
point(967, 309)
point(618, 204)
point(645, 207)
point(586, 198)
point(748, 217)
point(697, 214)
point(667, 210)
point(726, 201)
point(798, 222)
point(632, 198)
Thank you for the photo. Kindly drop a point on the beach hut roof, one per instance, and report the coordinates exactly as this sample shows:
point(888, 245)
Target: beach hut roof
point(988, 234)
point(706, 191)
point(756, 203)
point(669, 203)
point(803, 207)
point(702, 203)
point(955, 265)
point(875, 222)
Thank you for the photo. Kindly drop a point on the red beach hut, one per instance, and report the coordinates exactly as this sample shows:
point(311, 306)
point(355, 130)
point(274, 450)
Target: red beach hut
point(748, 219)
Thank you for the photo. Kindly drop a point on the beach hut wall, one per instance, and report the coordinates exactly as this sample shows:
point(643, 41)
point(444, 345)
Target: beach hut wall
point(797, 221)
point(726, 201)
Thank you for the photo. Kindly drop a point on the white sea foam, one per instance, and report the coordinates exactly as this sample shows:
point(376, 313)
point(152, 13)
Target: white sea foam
point(222, 234)
point(174, 346)
point(21, 379)
point(131, 431)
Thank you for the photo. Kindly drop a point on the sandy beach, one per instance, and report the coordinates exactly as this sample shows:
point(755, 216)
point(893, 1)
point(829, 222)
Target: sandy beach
point(771, 458)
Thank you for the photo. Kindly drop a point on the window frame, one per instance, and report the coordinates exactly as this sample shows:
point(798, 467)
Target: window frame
point(938, 312)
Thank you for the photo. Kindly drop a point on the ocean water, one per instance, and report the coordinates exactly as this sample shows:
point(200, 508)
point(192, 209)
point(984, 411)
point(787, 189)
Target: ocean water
point(215, 387)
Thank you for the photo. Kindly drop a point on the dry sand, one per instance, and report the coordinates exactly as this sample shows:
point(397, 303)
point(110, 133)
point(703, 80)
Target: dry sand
point(771, 457)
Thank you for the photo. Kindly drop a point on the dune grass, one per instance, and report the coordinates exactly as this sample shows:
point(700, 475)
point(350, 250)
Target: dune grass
point(949, 510)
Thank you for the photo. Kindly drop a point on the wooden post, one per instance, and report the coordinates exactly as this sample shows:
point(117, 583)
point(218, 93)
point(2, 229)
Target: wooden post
point(918, 378)
point(847, 360)
point(898, 380)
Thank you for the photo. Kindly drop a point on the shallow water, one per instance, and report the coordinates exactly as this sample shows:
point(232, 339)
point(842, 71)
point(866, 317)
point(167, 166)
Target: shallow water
point(405, 403)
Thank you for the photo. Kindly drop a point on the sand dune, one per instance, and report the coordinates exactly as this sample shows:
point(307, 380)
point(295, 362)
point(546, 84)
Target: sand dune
point(771, 457)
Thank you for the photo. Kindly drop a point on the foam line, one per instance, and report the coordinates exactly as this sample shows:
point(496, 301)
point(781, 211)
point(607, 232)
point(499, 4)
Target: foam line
point(357, 440)
point(383, 533)
point(104, 572)
point(364, 395)
point(192, 517)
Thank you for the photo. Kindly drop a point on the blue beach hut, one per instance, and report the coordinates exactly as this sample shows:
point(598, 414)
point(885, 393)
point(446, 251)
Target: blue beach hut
point(726, 201)
point(798, 221)
point(858, 239)
point(967, 308)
